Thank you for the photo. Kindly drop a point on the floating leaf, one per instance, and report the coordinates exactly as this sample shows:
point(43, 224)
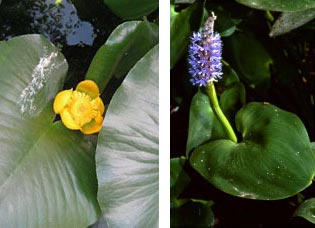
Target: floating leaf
point(127, 150)
point(273, 161)
point(47, 176)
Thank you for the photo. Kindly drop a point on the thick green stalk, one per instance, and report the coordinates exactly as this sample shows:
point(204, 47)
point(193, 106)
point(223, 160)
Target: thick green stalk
point(210, 90)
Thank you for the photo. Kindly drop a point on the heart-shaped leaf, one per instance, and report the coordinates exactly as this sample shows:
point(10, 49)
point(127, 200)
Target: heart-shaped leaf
point(124, 47)
point(273, 161)
point(279, 5)
point(132, 9)
point(127, 150)
point(47, 176)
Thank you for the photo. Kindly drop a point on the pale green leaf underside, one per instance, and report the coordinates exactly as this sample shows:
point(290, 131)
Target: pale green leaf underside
point(127, 150)
point(46, 171)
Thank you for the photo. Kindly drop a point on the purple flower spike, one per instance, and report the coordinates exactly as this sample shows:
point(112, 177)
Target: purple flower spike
point(205, 52)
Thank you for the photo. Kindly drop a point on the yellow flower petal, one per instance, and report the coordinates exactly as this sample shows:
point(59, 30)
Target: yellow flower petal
point(68, 121)
point(89, 87)
point(100, 105)
point(61, 100)
point(94, 126)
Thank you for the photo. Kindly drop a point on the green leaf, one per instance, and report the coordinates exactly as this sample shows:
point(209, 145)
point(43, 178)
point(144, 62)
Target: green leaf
point(229, 76)
point(232, 99)
point(193, 213)
point(291, 20)
point(179, 178)
point(125, 46)
point(250, 58)
point(307, 210)
point(132, 9)
point(279, 5)
point(273, 161)
point(182, 25)
point(203, 124)
point(225, 25)
point(47, 176)
point(127, 150)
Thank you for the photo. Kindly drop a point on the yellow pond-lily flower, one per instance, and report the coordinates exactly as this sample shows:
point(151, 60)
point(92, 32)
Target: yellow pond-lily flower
point(81, 109)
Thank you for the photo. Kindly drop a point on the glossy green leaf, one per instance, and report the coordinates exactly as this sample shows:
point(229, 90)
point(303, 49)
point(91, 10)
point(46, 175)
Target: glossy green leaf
point(274, 160)
point(182, 25)
point(132, 9)
point(124, 47)
point(249, 57)
point(307, 210)
point(203, 124)
point(47, 176)
point(279, 5)
point(193, 213)
point(179, 178)
point(232, 99)
point(127, 150)
point(291, 20)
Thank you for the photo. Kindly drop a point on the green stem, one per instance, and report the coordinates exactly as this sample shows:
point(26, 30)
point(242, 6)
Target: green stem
point(210, 90)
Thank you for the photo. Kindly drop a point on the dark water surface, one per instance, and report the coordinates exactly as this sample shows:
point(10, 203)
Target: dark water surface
point(78, 29)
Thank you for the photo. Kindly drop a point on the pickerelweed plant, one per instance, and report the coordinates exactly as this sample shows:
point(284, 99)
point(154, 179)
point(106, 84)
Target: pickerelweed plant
point(205, 53)
point(269, 161)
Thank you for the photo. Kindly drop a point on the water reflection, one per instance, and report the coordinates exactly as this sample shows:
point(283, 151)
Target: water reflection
point(58, 22)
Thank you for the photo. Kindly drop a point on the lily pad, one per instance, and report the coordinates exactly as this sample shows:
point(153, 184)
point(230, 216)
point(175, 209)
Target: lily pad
point(47, 176)
point(273, 161)
point(127, 150)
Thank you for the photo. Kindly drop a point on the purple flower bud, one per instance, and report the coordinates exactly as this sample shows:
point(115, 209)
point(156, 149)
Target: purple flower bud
point(205, 52)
